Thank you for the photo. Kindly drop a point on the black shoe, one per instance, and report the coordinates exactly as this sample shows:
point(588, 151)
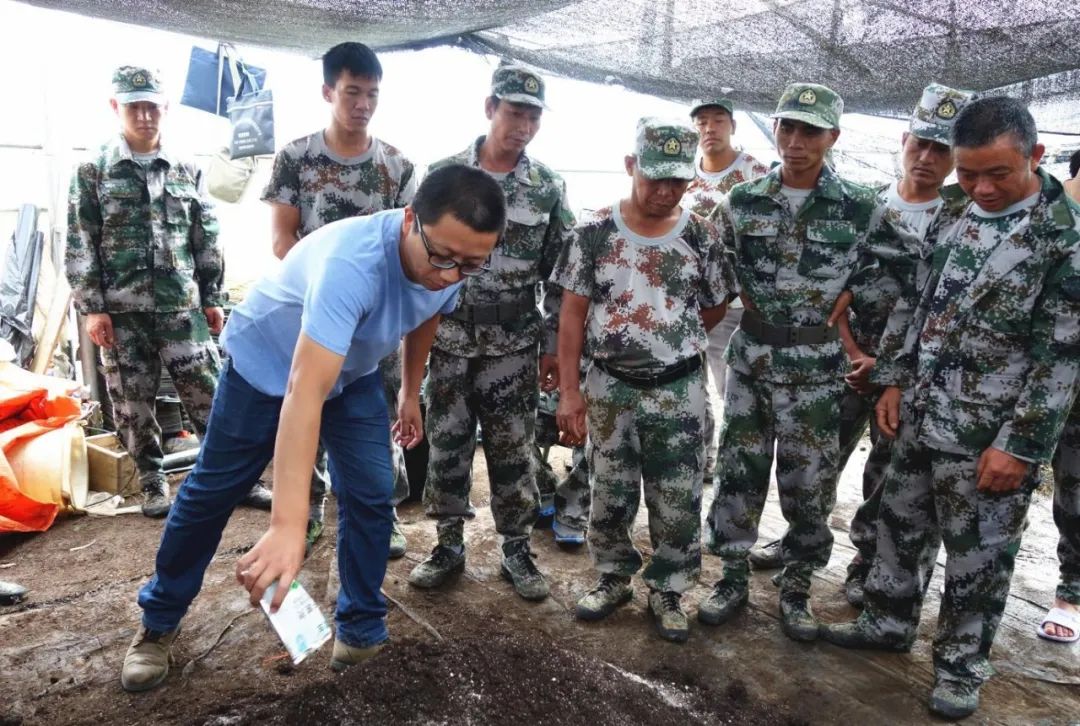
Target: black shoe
point(954, 700)
point(437, 568)
point(259, 497)
point(796, 618)
point(518, 567)
point(11, 593)
point(767, 556)
point(853, 635)
point(156, 503)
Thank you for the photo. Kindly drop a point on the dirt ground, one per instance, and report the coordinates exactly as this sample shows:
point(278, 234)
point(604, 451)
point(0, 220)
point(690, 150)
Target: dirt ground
point(474, 653)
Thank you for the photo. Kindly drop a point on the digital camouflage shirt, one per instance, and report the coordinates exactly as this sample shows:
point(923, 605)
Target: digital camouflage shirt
point(707, 188)
point(539, 223)
point(646, 293)
point(793, 268)
point(326, 187)
point(991, 346)
point(141, 239)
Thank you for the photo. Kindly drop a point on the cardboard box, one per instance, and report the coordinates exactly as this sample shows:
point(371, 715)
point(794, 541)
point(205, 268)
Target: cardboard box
point(111, 468)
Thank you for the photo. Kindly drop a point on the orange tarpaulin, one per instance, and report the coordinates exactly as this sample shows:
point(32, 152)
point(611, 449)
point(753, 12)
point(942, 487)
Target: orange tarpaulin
point(30, 405)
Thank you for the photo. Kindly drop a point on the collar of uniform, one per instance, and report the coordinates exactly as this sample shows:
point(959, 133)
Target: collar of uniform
point(828, 185)
point(121, 151)
point(522, 172)
point(1059, 214)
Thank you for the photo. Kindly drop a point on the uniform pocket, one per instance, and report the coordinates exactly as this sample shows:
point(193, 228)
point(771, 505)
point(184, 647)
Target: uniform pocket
point(757, 243)
point(181, 199)
point(524, 238)
point(828, 248)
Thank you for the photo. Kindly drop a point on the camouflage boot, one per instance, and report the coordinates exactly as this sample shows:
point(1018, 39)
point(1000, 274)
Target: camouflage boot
point(259, 497)
point(671, 622)
point(857, 636)
point(954, 700)
point(438, 567)
point(147, 660)
point(518, 567)
point(856, 581)
point(796, 618)
point(397, 540)
point(610, 592)
point(767, 556)
point(156, 502)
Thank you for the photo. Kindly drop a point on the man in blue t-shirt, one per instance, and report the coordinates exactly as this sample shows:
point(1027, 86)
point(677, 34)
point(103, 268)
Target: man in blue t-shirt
point(304, 347)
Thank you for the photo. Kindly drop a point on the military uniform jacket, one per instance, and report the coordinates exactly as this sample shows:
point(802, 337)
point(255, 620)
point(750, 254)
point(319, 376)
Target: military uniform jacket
point(792, 269)
point(991, 345)
point(141, 240)
point(539, 224)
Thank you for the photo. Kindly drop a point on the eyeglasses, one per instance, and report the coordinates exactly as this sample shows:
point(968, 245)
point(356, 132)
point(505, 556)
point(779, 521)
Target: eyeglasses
point(442, 262)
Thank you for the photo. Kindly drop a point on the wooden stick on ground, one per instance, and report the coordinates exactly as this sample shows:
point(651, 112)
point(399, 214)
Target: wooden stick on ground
point(413, 616)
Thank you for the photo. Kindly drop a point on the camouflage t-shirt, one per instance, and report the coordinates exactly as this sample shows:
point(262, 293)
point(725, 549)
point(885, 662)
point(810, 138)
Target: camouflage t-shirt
point(645, 293)
point(707, 188)
point(326, 187)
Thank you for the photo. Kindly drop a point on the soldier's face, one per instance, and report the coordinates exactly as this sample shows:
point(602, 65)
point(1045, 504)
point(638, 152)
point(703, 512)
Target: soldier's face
point(654, 197)
point(447, 238)
point(513, 125)
point(352, 100)
point(141, 120)
point(997, 175)
point(801, 146)
point(926, 162)
point(715, 126)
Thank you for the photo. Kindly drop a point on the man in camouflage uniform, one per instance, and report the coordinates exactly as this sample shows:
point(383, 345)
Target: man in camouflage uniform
point(339, 172)
point(981, 369)
point(146, 272)
point(484, 362)
point(642, 285)
point(801, 235)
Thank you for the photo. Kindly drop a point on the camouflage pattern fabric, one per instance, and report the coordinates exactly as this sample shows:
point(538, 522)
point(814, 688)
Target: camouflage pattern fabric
point(131, 84)
point(936, 112)
point(802, 420)
point(707, 188)
point(651, 438)
point(141, 239)
point(665, 150)
point(988, 356)
point(326, 187)
point(645, 294)
point(539, 222)
point(518, 83)
point(500, 392)
point(810, 103)
point(1066, 463)
point(573, 499)
point(133, 372)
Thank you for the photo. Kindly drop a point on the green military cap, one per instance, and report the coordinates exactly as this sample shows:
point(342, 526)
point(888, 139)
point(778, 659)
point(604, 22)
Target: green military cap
point(665, 149)
point(517, 83)
point(938, 108)
point(811, 103)
point(134, 83)
point(700, 103)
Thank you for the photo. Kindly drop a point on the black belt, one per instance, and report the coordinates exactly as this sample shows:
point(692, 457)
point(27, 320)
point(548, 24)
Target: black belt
point(786, 336)
point(671, 373)
point(492, 314)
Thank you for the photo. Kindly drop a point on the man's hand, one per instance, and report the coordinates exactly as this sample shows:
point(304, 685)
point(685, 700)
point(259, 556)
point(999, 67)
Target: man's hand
point(998, 471)
point(99, 328)
point(859, 377)
point(549, 373)
point(215, 318)
point(408, 431)
point(887, 411)
point(570, 417)
point(840, 307)
point(276, 557)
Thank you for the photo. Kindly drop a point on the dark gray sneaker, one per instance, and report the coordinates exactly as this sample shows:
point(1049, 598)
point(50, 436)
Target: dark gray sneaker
point(518, 567)
point(259, 497)
point(723, 602)
point(954, 700)
point(671, 622)
point(767, 556)
point(610, 592)
point(156, 502)
point(437, 568)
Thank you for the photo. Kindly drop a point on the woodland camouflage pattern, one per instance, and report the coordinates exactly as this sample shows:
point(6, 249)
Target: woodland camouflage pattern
point(1066, 464)
point(705, 191)
point(812, 104)
point(665, 150)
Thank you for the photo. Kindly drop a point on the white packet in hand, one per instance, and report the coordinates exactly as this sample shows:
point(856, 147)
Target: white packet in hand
point(298, 622)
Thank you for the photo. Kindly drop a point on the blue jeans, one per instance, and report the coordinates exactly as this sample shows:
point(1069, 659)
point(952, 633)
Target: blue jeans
point(238, 445)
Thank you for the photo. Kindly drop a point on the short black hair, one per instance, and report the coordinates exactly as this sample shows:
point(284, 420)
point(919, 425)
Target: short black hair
point(468, 194)
point(1074, 163)
point(356, 58)
point(985, 119)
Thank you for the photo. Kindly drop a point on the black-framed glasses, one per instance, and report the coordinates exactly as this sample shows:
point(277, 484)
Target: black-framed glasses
point(442, 262)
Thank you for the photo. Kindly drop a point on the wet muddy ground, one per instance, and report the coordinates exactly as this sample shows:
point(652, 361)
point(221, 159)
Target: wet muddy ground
point(475, 653)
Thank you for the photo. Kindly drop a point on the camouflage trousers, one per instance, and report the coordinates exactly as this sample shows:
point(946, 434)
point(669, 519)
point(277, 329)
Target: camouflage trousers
point(930, 494)
point(390, 368)
point(132, 367)
point(1066, 465)
point(856, 412)
point(718, 341)
point(500, 392)
point(802, 422)
point(651, 437)
point(569, 496)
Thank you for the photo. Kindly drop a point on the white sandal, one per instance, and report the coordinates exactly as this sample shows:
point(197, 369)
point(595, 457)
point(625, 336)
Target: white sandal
point(1063, 618)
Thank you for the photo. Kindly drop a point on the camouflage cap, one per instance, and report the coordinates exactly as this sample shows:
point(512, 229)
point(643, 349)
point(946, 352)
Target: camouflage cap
point(812, 104)
point(665, 149)
point(518, 83)
point(938, 108)
point(134, 83)
point(700, 103)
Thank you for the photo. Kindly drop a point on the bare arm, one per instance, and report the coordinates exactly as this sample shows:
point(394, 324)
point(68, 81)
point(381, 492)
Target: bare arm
point(409, 429)
point(571, 411)
point(285, 228)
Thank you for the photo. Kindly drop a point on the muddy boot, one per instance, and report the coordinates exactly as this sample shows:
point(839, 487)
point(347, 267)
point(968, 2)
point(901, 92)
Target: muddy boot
point(11, 593)
point(610, 592)
point(723, 602)
point(347, 655)
point(954, 700)
point(767, 556)
point(147, 661)
point(437, 568)
point(856, 636)
point(518, 567)
point(156, 502)
point(796, 618)
point(315, 529)
point(259, 497)
point(671, 623)
point(854, 586)
point(397, 542)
